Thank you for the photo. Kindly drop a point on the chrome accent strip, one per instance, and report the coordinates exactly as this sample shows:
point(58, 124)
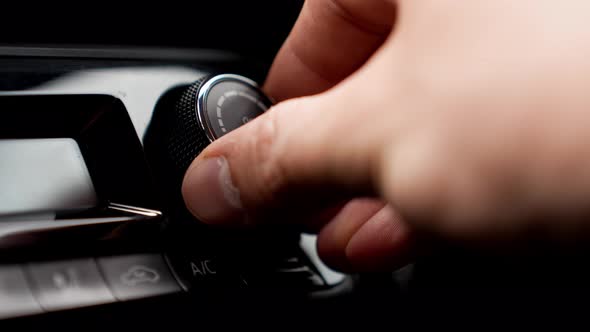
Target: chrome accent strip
point(134, 209)
point(122, 53)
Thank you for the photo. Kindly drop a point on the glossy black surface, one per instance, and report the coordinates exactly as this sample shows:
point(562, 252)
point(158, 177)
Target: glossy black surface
point(254, 29)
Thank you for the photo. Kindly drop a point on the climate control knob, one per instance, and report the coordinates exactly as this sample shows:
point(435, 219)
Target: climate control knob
point(210, 108)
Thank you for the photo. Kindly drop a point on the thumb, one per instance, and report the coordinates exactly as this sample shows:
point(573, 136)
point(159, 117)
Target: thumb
point(302, 156)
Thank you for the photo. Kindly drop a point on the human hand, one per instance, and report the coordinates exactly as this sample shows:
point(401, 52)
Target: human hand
point(468, 117)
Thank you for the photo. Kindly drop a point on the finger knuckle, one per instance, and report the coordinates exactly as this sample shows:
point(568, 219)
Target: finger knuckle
point(266, 162)
point(436, 186)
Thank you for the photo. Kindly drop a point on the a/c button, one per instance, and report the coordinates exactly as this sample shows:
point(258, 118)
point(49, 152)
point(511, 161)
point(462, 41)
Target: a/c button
point(138, 276)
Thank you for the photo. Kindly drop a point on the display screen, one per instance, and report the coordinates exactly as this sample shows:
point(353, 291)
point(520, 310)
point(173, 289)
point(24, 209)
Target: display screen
point(43, 175)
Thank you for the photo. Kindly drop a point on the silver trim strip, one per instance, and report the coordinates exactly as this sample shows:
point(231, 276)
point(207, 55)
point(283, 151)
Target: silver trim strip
point(23, 229)
point(123, 53)
point(135, 210)
point(295, 269)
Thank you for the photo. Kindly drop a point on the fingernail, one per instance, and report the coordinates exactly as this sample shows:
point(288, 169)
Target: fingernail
point(209, 192)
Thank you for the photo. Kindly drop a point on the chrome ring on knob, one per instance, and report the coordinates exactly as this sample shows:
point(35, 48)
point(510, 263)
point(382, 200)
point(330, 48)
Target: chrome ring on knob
point(203, 93)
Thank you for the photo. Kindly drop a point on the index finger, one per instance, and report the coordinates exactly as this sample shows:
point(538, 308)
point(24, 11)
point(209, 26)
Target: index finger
point(330, 40)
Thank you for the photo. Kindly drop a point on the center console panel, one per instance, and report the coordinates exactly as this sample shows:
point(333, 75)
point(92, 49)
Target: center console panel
point(90, 225)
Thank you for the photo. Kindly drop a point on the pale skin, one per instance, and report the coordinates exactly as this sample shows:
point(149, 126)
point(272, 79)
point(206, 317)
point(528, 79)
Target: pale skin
point(467, 120)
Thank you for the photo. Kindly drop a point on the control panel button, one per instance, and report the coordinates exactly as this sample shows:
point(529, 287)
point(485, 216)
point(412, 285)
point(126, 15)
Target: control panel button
point(68, 284)
point(293, 272)
point(138, 276)
point(16, 299)
point(205, 272)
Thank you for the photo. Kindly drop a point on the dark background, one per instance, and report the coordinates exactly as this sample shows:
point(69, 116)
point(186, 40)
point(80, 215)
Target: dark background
point(253, 28)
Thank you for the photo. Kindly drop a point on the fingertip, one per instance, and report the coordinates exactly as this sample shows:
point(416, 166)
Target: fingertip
point(383, 242)
point(209, 194)
point(335, 235)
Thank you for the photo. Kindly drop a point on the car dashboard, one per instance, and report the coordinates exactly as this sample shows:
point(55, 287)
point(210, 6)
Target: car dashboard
point(93, 235)
point(85, 223)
